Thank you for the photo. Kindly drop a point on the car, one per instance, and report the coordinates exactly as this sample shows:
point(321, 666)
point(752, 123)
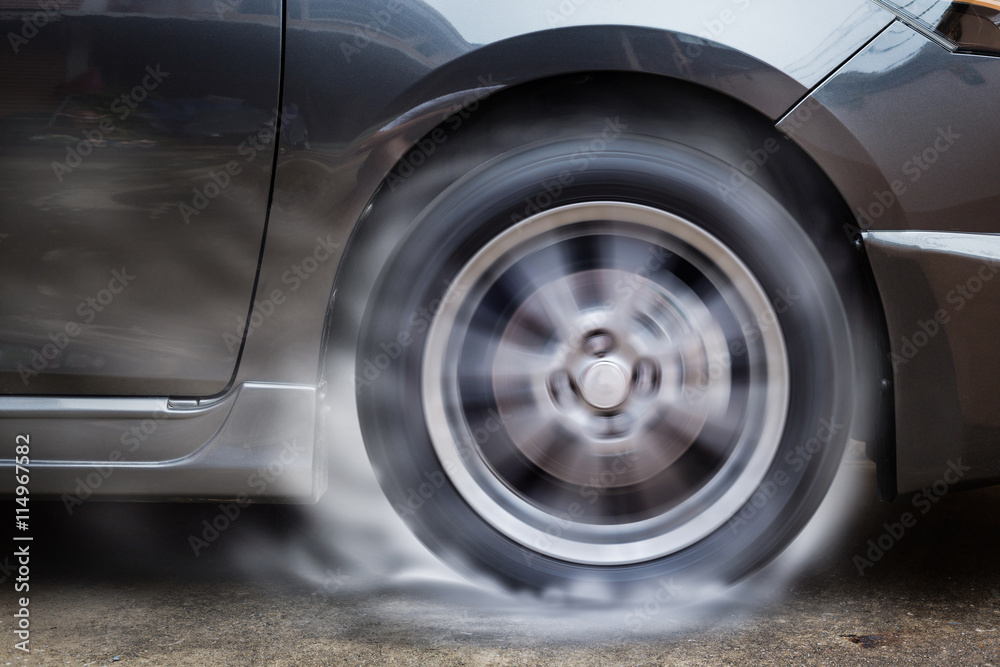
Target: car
point(606, 288)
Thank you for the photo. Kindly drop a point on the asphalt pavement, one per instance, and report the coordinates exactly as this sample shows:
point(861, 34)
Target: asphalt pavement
point(281, 585)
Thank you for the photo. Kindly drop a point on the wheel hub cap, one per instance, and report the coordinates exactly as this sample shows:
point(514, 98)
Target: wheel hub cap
point(605, 385)
point(640, 400)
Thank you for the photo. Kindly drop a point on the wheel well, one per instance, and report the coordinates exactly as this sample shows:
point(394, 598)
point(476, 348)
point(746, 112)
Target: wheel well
point(670, 109)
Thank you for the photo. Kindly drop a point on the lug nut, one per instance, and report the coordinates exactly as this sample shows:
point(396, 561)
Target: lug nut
point(599, 344)
point(560, 387)
point(646, 376)
point(615, 425)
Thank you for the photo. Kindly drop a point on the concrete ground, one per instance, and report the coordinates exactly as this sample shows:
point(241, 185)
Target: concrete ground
point(121, 584)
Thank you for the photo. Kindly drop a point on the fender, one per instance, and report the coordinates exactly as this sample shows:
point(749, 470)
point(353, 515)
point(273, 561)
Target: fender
point(925, 199)
point(367, 90)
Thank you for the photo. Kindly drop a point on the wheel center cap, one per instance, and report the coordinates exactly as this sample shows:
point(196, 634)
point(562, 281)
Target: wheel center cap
point(605, 385)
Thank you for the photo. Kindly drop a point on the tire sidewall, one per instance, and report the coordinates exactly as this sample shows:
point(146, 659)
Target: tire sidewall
point(640, 170)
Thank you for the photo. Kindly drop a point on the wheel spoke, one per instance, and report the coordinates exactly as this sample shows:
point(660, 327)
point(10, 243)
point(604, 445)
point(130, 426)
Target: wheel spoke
point(513, 361)
point(558, 301)
point(595, 344)
point(679, 412)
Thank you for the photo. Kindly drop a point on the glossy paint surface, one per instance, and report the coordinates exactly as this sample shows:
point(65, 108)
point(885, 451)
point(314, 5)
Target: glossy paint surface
point(942, 300)
point(258, 443)
point(372, 84)
point(904, 133)
point(135, 171)
point(363, 82)
point(802, 39)
point(173, 188)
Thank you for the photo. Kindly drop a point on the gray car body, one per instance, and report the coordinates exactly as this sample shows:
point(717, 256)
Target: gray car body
point(231, 197)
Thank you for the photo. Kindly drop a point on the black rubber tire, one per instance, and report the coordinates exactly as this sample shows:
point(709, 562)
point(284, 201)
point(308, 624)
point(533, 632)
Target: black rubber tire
point(640, 169)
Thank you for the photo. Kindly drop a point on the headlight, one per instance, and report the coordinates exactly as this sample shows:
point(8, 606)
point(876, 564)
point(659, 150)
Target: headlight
point(972, 26)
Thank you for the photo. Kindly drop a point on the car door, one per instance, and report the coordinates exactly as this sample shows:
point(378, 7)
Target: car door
point(137, 140)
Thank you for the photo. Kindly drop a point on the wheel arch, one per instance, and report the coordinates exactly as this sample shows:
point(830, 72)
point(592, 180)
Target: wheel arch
point(373, 237)
point(619, 48)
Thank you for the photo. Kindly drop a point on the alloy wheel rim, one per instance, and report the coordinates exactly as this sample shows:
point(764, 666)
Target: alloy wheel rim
point(605, 383)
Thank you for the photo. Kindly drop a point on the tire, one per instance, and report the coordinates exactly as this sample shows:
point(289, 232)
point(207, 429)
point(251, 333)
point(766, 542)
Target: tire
point(594, 362)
